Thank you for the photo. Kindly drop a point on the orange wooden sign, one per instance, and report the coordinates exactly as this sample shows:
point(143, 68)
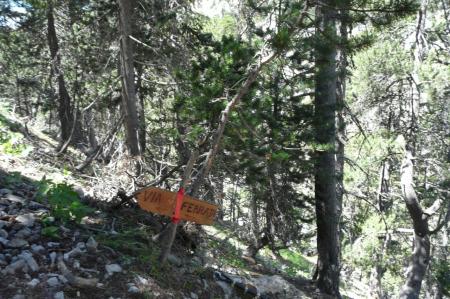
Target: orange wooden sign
point(162, 201)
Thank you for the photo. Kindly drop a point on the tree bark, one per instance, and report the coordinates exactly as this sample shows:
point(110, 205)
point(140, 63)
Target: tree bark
point(65, 111)
point(325, 164)
point(141, 109)
point(340, 117)
point(129, 99)
point(421, 253)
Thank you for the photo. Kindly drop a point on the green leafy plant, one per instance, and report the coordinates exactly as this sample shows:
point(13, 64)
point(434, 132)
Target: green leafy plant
point(51, 232)
point(64, 201)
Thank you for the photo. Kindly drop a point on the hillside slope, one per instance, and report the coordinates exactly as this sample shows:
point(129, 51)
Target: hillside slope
point(61, 237)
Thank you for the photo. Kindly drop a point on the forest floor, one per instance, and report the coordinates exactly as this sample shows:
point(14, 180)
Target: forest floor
point(110, 253)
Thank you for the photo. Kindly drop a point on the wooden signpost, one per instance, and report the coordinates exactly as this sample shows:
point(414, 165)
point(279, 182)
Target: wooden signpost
point(163, 202)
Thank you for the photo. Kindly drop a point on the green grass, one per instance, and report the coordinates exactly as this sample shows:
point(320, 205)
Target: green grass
point(136, 247)
point(11, 142)
point(227, 254)
point(297, 263)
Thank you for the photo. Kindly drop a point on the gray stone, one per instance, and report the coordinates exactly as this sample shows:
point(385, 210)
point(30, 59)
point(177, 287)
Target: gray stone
point(113, 268)
point(33, 283)
point(194, 295)
point(4, 191)
point(77, 251)
point(15, 198)
point(26, 219)
point(52, 258)
point(133, 289)
point(31, 262)
point(53, 282)
point(35, 206)
point(19, 296)
point(76, 264)
point(37, 248)
point(4, 223)
point(3, 234)
point(17, 226)
point(15, 266)
point(23, 233)
point(59, 295)
point(141, 280)
point(226, 288)
point(278, 286)
point(174, 260)
point(4, 241)
point(205, 284)
point(52, 244)
point(91, 245)
point(17, 243)
point(63, 279)
point(81, 245)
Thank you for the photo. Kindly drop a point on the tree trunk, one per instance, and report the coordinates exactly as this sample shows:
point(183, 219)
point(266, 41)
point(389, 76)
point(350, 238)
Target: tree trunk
point(421, 254)
point(129, 100)
point(340, 118)
point(325, 130)
point(141, 109)
point(254, 228)
point(65, 112)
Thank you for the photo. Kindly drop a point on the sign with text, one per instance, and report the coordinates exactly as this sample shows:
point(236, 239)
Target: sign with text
point(162, 201)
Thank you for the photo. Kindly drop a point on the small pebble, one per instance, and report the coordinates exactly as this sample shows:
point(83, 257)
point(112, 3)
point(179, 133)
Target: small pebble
point(34, 282)
point(59, 295)
point(53, 282)
point(113, 268)
point(133, 289)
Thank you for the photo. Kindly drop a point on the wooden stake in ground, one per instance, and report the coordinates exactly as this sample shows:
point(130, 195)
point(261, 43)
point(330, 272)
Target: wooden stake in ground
point(172, 227)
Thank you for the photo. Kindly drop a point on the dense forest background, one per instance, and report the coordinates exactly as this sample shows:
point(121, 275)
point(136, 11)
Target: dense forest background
point(322, 127)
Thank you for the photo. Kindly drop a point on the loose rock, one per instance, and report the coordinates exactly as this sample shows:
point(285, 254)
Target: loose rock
point(3, 223)
point(14, 198)
point(31, 262)
point(4, 191)
point(3, 233)
point(3, 241)
point(91, 245)
point(53, 282)
point(133, 289)
point(52, 258)
point(15, 266)
point(37, 248)
point(59, 295)
point(34, 282)
point(17, 243)
point(113, 268)
point(52, 244)
point(23, 233)
point(174, 260)
point(26, 219)
point(77, 251)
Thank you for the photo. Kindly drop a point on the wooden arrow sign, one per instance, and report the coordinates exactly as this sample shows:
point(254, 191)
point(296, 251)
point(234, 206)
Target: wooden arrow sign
point(162, 202)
